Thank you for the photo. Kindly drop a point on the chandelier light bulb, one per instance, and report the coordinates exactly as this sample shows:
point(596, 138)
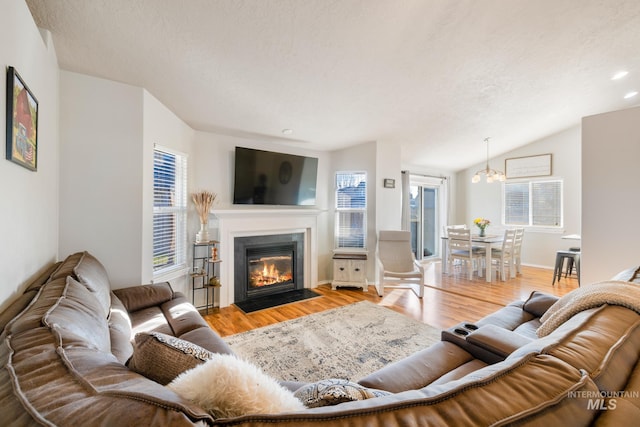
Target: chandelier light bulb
point(491, 174)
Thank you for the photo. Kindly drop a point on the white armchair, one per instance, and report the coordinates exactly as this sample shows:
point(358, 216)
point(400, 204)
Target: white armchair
point(396, 264)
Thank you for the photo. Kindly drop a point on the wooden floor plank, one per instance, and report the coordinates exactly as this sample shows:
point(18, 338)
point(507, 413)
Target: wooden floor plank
point(448, 300)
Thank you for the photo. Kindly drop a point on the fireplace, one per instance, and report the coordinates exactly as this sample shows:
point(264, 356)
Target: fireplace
point(267, 265)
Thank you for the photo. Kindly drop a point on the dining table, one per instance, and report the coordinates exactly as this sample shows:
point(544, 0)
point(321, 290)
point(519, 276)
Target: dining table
point(487, 242)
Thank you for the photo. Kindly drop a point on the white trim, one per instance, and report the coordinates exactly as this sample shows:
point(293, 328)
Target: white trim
point(171, 274)
point(234, 223)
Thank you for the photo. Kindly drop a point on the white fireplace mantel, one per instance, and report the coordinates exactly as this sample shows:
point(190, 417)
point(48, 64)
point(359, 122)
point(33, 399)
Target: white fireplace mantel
point(234, 223)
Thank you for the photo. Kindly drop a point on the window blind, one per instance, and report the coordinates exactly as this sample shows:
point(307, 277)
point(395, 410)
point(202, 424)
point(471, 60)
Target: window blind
point(546, 203)
point(533, 203)
point(351, 209)
point(169, 210)
point(516, 201)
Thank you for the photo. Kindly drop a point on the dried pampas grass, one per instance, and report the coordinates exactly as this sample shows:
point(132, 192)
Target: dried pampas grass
point(203, 201)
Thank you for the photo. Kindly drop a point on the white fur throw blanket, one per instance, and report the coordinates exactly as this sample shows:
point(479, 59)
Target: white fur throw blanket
point(614, 292)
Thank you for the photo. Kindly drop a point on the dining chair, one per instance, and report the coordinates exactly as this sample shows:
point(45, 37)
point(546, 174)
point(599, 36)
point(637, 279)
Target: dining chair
point(396, 263)
point(446, 234)
point(504, 257)
point(517, 249)
point(461, 248)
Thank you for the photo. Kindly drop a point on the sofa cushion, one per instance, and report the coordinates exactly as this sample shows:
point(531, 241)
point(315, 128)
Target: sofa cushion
point(538, 303)
point(140, 297)
point(150, 319)
point(528, 329)
point(508, 317)
point(333, 392)
point(78, 316)
point(182, 316)
point(91, 273)
point(16, 307)
point(459, 372)
point(42, 277)
point(161, 357)
point(230, 387)
point(120, 330)
point(208, 339)
point(65, 268)
point(418, 369)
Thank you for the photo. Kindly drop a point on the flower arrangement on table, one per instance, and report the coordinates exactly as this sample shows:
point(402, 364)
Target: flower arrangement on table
point(203, 201)
point(481, 223)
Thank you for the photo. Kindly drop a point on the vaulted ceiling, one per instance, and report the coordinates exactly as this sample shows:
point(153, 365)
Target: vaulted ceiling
point(434, 77)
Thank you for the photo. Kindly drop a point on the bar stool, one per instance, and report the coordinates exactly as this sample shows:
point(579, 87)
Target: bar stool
point(573, 258)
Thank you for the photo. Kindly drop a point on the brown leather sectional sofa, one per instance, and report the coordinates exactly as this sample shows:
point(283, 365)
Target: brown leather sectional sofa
point(66, 342)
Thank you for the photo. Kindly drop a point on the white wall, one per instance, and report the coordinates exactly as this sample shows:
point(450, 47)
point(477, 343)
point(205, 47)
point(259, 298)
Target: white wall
point(388, 200)
point(101, 173)
point(108, 131)
point(213, 166)
point(610, 203)
point(163, 128)
point(485, 200)
point(360, 157)
point(29, 214)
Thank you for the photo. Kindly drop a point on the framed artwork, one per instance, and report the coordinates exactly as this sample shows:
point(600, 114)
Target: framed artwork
point(530, 166)
point(22, 122)
point(389, 183)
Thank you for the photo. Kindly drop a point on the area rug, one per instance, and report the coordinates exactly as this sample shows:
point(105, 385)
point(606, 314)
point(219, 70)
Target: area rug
point(348, 342)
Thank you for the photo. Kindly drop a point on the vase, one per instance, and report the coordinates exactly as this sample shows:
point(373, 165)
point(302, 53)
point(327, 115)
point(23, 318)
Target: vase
point(203, 234)
point(482, 232)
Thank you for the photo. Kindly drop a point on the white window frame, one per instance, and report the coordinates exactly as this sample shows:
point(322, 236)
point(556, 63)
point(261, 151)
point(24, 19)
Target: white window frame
point(179, 208)
point(530, 224)
point(340, 210)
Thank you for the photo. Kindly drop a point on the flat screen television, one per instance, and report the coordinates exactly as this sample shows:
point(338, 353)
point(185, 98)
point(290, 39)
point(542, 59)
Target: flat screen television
point(270, 178)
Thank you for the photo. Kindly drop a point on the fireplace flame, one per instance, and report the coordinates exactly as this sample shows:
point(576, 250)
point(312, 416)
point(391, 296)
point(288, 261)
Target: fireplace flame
point(269, 275)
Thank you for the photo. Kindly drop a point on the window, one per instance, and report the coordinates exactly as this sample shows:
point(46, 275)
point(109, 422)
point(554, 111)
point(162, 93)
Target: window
point(169, 211)
point(533, 203)
point(351, 209)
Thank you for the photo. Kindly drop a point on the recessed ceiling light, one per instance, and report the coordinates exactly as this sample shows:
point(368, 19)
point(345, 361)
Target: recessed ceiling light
point(287, 131)
point(631, 94)
point(619, 75)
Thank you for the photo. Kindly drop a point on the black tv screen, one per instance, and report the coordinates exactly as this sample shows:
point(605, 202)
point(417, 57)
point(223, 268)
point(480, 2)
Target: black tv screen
point(270, 178)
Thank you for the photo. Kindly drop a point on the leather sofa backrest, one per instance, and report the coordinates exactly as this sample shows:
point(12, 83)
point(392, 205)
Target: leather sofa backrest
point(532, 390)
point(23, 300)
point(603, 341)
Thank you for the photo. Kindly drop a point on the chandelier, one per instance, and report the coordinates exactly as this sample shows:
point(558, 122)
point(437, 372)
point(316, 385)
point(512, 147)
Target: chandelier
point(492, 174)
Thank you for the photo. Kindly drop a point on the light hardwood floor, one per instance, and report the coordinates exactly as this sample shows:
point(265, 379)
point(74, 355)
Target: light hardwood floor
point(448, 300)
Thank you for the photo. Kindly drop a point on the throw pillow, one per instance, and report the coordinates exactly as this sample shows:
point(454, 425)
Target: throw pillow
point(538, 303)
point(335, 391)
point(230, 387)
point(161, 357)
point(91, 273)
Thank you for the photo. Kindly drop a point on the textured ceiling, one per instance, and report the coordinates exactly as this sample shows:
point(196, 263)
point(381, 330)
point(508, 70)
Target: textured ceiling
point(434, 77)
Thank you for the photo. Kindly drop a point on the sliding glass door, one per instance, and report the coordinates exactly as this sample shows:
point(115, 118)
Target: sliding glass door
point(428, 208)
